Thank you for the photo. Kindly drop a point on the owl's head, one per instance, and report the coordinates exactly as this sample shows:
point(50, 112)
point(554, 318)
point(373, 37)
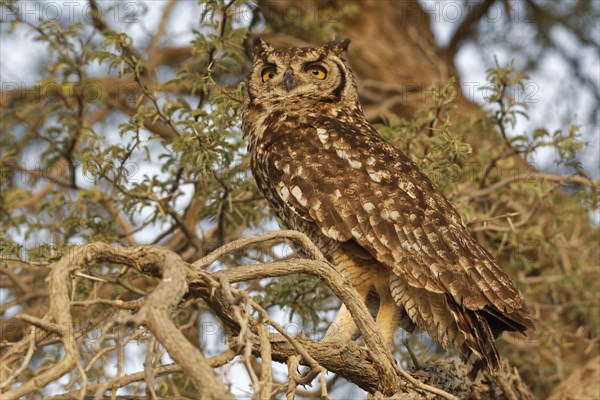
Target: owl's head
point(304, 76)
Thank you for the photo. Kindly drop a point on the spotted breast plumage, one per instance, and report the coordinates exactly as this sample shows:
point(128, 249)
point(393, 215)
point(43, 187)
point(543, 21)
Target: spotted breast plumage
point(328, 173)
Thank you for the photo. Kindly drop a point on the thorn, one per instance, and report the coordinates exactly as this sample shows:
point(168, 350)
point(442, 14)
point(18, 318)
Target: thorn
point(90, 277)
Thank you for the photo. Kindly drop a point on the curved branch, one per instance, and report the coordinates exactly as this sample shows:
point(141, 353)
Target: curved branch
point(383, 377)
point(466, 27)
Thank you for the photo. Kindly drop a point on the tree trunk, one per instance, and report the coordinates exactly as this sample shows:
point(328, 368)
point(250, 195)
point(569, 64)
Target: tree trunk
point(393, 51)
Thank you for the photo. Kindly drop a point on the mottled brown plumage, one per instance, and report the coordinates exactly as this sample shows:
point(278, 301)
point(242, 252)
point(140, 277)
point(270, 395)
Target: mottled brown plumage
point(328, 173)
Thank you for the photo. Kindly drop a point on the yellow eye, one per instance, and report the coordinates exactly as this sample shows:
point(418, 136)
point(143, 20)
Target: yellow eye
point(317, 71)
point(267, 73)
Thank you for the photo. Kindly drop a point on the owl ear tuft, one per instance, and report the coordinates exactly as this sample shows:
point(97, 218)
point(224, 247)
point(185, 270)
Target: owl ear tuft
point(337, 46)
point(261, 47)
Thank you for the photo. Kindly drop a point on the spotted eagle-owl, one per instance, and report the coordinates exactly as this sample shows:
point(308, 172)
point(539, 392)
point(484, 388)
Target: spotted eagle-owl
point(328, 173)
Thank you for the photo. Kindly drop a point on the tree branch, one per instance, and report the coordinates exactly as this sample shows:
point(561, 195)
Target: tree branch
point(466, 27)
point(372, 368)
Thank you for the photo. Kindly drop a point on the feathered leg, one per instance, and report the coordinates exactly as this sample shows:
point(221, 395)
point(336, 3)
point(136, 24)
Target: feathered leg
point(343, 327)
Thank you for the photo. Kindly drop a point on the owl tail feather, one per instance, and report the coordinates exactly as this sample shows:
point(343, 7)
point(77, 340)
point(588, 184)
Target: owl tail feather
point(517, 321)
point(479, 348)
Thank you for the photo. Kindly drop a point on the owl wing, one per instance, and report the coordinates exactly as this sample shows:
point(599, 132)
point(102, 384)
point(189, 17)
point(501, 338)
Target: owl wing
point(357, 187)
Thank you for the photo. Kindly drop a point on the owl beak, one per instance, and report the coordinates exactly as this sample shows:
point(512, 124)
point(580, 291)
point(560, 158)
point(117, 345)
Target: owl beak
point(288, 80)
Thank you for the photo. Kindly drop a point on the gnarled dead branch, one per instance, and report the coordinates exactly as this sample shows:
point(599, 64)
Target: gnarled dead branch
point(371, 367)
